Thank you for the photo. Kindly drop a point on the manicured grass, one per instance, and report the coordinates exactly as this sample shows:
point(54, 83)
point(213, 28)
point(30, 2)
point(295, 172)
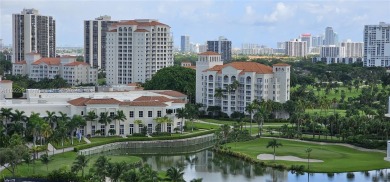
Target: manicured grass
point(219, 121)
point(202, 126)
point(324, 112)
point(103, 139)
point(68, 143)
point(332, 94)
point(63, 161)
point(336, 158)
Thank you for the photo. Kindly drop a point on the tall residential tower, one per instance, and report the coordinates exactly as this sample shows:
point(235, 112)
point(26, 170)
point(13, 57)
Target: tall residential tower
point(185, 44)
point(222, 46)
point(32, 32)
point(377, 45)
point(95, 33)
point(136, 50)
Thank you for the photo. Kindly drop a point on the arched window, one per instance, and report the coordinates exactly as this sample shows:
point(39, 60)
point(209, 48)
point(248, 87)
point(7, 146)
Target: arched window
point(248, 80)
point(211, 78)
point(225, 79)
point(233, 78)
point(120, 28)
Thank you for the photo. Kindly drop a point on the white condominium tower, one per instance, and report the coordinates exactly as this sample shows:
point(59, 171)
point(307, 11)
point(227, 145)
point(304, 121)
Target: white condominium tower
point(136, 50)
point(377, 45)
point(95, 33)
point(296, 48)
point(32, 32)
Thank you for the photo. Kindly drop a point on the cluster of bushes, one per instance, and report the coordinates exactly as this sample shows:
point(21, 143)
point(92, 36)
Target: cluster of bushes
point(157, 134)
point(90, 145)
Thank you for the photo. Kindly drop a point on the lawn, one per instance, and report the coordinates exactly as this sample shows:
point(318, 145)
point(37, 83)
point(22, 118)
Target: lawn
point(323, 112)
point(332, 94)
point(67, 143)
point(202, 126)
point(63, 160)
point(336, 158)
point(103, 139)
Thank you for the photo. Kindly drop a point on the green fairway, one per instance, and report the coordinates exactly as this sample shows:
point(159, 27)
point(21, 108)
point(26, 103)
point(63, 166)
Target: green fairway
point(323, 112)
point(332, 93)
point(336, 158)
point(60, 161)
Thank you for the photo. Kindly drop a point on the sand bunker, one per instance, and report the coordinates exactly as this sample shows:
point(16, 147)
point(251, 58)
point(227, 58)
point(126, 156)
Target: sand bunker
point(285, 158)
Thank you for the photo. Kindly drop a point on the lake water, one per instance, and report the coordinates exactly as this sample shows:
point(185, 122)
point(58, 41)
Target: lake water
point(200, 162)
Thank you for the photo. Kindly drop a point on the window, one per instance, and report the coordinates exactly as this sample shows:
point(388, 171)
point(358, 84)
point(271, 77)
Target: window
point(140, 126)
point(169, 128)
point(93, 130)
point(82, 113)
point(150, 114)
point(150, 128)
point(140, 114)
point(122, 129)
point(112, 126)
point(158, 113)
point(112, 114)
point(102, 129)
point(131, 114)
point(131, 129)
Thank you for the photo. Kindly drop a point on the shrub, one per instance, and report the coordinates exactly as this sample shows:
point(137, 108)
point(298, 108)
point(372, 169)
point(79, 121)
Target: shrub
point(138, 135)
point(155, 134)
point(350, 175)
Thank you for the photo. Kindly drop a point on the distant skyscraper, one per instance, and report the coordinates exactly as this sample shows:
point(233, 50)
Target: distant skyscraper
point(377, 45)
point(1, 44)
point(185, 44)
point(222, 46)
point(296, 48)
point(336, 39)
point(95, 32)
point(32, 32)
point(137, 50)
point(332, 51)
point(317, 41)
point(203, 48)
point(306, 37)
point(329, 36)
point(353, 49)
point(281, 45)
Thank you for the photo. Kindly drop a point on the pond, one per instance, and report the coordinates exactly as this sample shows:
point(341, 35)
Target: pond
point(200, 162)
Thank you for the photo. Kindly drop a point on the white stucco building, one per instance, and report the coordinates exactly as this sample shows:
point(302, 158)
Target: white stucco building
point(377, 45)
point(296, 48)
point(67, 67)
point(136, 105)
point(5, 89)
point(256, 81)
point(136, 50)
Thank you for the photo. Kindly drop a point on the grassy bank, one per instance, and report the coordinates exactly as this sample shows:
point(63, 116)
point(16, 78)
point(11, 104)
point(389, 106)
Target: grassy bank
point(62, 161)
point(336, 158)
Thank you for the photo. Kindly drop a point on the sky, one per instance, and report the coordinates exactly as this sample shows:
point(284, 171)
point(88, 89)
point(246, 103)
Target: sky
point(262, 22)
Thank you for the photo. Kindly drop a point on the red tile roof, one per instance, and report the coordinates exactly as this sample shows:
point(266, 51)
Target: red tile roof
point(48, 61)
point(245, 67)
point(144, 103)
point(192, 67)
point(5, 81)
point(138, 23)
point(208, 53)
point(281, 64)
point(20, 62)
point(103, 101)
point(68, 56)
point(153, 98)
point(114, 30)
point(141, 30)
point(76, 63)
point(171, 93)
point(34, 53)
point(86, 101)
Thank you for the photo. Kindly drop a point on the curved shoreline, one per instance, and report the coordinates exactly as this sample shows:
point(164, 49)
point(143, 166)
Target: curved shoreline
point(265, 157)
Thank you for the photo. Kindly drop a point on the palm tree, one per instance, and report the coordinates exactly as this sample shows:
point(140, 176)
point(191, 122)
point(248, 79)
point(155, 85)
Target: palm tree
point(61, 132)
point(115, 170)
point(274, 144)
point(51, 118)
point(218, 93)
point(80, 164)
point(105, 119)
point(91, 116)
point(192, 111)
point(18, 119)
point(46, 131)
point(138, 122)
point(175, 175)
point(45, 159)
point(250, 108)
point(181, 113)
point(101, 166)
point(308, 151)
point(35, 124)
point(76, 122)
point(6, 113)
point(120, 116)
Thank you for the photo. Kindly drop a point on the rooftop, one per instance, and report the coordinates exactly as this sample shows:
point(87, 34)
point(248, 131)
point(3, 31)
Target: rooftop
point(244, 67)
point(208, 53)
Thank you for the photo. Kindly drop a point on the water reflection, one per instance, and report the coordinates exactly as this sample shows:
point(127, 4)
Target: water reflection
point(216, 167)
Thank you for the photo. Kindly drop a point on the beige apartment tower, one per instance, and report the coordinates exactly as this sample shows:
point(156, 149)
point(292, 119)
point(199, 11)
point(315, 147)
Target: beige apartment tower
point(32, 32)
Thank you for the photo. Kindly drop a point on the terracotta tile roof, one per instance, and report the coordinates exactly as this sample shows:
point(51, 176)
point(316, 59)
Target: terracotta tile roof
point(68, 56)
point(281, 64)
point(113, 30)
point(20, 62)
point(171, 93)
point(48, 61)
point(5, 81)
point(192, 67)
point(138, 23)
point(34, 53)
point(103, 101)
point(86, 101)
point(208, 53)
point(143, 103)
point(141, 30)
point(178, 101)
point(79, 101)
point(77, 63)
point(153, 98)
point(245, 67)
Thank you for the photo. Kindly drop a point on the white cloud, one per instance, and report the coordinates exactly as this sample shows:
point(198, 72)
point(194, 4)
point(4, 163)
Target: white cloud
point(281, 12)
point(249, 10)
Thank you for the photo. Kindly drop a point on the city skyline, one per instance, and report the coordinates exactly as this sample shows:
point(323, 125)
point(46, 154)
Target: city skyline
point(265, 22)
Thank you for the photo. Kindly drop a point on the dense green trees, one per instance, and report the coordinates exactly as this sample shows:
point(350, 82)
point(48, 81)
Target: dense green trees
point(174, 78)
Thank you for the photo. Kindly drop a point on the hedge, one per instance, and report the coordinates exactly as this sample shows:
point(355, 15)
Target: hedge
point(86, 146)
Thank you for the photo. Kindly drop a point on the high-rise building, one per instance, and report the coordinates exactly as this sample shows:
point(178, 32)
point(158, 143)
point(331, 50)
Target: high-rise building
point(136, 50)
point(248, 81)
point(185, 44)
point(296, 48)
point(32, 32)
point(203, 48)
point(329, 36)
point(280, 45)
point(1, 44)
point(95, 33)
point(222, 46)
point(377, 45)
point(306, 37)
point(317, 41)
point(332, 51)
point(353, 49)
